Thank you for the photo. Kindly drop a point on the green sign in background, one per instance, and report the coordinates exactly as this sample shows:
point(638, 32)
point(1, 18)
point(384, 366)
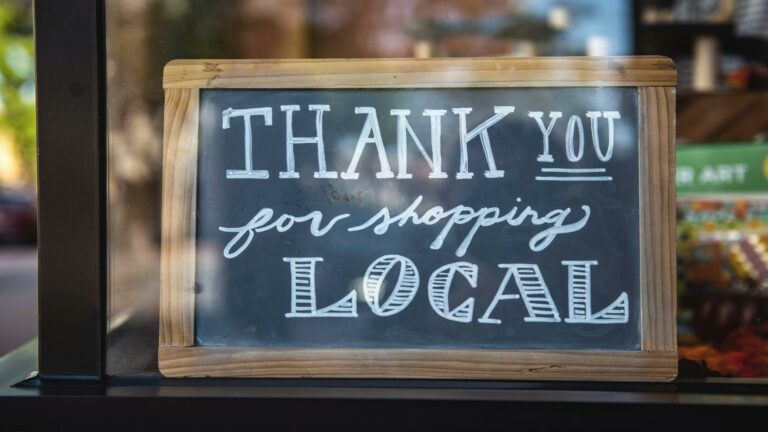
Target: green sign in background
point(722, 168)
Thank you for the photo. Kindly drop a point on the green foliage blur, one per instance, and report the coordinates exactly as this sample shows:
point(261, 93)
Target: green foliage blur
point(17, 79)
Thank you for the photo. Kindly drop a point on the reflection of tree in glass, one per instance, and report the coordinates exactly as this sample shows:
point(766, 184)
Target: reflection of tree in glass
point(17, 74)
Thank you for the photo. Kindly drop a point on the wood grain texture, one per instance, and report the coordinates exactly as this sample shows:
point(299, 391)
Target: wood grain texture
point(178, 218)
point(417, 363)
point(657, 218)
point(415, 73)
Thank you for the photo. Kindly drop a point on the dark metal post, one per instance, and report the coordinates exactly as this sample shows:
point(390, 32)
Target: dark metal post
point(71, 144)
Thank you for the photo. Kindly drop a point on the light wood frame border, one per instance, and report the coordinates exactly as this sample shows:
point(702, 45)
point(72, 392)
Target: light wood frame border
point(655, 78)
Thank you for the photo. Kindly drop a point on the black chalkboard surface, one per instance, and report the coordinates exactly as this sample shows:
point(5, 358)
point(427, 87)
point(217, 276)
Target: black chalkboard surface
point(245, 298)
point(493, 218)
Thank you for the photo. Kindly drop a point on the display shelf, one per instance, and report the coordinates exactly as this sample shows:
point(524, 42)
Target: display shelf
point(689, 93)
point(690, 27)
point(675, 38)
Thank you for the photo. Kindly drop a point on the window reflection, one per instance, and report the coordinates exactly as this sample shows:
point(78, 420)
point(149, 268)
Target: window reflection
point(142, 35)
point(720, 50)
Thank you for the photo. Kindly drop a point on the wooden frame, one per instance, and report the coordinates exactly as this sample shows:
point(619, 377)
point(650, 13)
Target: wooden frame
point(655, 78)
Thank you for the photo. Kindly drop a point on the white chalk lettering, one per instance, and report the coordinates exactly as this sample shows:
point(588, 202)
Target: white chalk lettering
point(371, 133)
point(545, 132)
point(580, 298)
point(536, 296)
point(574, 123)
point(260, 223)
point(440, 284)
point(485, 140)
point(500, 295)
point(404, 129)
point(291, 140)
point(593, 117)
point(483, 217)
point(303, 298)
point(246, 114)
point(532, 288)
point(405, 288)
point(466, 227)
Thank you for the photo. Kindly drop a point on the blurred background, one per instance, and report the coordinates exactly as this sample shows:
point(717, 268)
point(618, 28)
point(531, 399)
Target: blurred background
point(18, 277)
point(720, 47)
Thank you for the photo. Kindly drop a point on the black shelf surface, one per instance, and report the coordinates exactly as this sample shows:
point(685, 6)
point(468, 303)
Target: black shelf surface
point(131, 403)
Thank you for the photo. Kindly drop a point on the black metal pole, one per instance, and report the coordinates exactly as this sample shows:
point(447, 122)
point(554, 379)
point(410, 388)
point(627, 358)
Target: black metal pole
point(71, 145)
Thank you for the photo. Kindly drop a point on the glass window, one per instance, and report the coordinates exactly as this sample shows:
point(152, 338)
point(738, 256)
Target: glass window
point(720, 52)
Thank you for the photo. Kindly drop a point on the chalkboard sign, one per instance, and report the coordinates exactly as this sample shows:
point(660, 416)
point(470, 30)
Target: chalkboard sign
point(489, 218)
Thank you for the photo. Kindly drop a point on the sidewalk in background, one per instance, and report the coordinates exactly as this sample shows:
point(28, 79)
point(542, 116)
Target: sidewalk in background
point(18, 296)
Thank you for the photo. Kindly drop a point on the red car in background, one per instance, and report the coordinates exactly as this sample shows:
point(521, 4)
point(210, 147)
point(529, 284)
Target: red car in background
point(18, 216)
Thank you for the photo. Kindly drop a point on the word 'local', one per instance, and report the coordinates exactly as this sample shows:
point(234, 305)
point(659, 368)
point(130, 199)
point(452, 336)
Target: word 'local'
point(371, 134)
point(532, 289)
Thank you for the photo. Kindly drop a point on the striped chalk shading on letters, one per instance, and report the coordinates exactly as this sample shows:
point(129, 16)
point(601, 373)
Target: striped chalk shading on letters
point(580, 298)
point(440, 284)
point(541, 307)
point(405, 288)
point(303, 299)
